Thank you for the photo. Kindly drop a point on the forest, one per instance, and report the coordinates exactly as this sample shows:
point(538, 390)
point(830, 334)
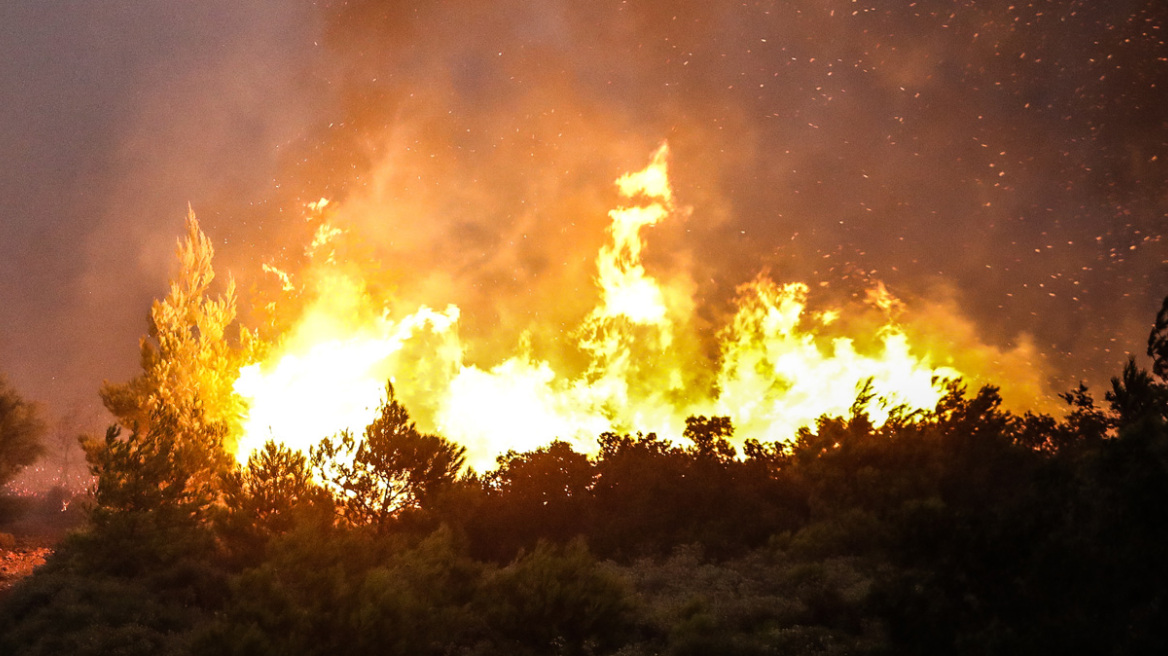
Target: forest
point(962, 529)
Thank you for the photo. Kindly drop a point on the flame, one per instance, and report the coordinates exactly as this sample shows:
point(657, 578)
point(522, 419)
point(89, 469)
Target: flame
point(777, 367)
point(330, 373)
point(625, 289)
point(776, 376)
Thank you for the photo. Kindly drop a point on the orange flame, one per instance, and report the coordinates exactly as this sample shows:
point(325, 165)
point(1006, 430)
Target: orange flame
point(776, 370)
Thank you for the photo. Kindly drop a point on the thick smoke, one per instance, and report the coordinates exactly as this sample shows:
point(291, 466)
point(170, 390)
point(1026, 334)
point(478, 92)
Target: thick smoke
point(116, 115)
point(999, 167)
point(999, 162)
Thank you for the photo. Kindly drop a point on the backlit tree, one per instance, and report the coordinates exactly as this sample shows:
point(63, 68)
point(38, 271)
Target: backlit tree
point(188, 368)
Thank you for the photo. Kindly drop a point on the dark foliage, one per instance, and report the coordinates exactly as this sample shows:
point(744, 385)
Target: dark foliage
point(269, 496)
point(966, 529)
point(1158, 343)
point(543, 494)
point(393, 470)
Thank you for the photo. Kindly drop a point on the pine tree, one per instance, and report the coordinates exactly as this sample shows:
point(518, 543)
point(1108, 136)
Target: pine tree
point(394, 469)
point(182, 404)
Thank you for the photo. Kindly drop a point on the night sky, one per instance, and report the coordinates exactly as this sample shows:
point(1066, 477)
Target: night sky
point(1004, 160)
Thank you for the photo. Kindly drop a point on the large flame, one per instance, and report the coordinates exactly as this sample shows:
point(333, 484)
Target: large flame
point(776, 368)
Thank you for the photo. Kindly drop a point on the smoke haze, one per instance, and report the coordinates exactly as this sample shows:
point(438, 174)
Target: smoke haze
point(1001, 168)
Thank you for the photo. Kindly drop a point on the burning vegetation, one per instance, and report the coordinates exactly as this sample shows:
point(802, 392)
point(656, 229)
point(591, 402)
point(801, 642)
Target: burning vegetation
point(630, 328)
point(639, 359)
point(833, 491)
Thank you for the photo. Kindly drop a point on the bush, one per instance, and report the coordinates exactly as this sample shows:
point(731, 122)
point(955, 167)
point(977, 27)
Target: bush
point(556, 599)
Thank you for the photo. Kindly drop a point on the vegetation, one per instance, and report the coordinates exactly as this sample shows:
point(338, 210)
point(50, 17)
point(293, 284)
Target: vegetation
point(393, 469)
point(21, 433)
point(966, 529)
point(186, 360)
point(21, 442)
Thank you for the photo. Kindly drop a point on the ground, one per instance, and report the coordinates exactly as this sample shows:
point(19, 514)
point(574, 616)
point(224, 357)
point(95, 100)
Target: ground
point(30, 527)
point(18, 562)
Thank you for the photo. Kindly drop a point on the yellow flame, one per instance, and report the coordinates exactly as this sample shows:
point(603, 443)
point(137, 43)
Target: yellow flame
point(329, 374)
point(285, 279)
point(776, 376)
point(777, 369)
point(625, 288)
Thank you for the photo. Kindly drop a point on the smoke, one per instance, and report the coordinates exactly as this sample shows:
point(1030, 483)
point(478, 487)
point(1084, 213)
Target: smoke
point(1000, 168)
point(997, 165)
point(118, 115)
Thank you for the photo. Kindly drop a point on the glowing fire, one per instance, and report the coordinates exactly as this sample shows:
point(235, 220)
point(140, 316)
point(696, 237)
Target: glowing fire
point(776, 368)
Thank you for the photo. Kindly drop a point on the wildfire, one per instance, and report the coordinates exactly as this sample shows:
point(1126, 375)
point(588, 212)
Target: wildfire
point(776, 369)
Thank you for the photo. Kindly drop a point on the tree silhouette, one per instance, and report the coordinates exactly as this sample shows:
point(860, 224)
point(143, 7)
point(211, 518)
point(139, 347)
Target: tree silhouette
point(711, 437)
point(1135, 396)
point(173, 465)
point(268, 496)
point(393, 469)
point(1158, 343)
point(541, 494)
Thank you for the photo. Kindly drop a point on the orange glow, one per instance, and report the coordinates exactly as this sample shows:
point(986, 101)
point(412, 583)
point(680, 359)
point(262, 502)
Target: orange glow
point(776, 368)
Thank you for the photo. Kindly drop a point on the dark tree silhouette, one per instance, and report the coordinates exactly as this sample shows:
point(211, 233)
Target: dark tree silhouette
point(710, 437)
point(1135, 396)
point(269, 488)
point(541, 494)
point(393, 469)
point(1158, 343)
point(269, 496)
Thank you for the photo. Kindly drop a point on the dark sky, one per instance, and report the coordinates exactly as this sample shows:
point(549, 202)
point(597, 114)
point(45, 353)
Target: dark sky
point(1005, 160)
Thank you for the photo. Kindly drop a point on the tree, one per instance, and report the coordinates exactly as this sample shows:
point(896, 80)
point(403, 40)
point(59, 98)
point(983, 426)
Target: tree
point(271, 495)
point(394, 469)
point(1158, 343)
point(21, 429)
point(711, 437)
point(181, 410)
point(188, 364)
point(541, 494)
point(544, 476)
point(272, 487)
point(557, 600)
point(1135, 396)
point(170, 465)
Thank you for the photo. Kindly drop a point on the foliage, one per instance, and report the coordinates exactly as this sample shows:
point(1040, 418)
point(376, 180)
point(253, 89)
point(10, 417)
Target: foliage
point(187, 361)
point(93, 615)
point(273, 483)
point(327, 591)
point(1158, 343)
point(767, 601)
point(1136, 397)
point(393, 469)
point(267, 497)
point(172, 466)
point(710, 437)
point(542, 494)
point(556, 599)
point(21, 432)
point(130, 585)
point(966, 529)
